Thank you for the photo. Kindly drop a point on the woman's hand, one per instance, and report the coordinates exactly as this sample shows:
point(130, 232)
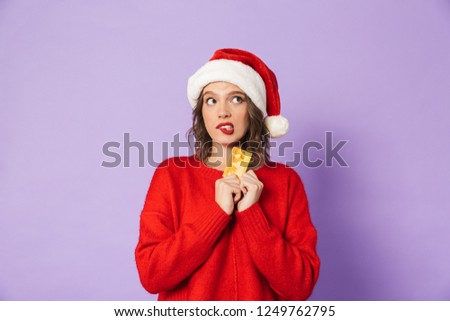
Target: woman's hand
point(252, 187)
point(228, 192)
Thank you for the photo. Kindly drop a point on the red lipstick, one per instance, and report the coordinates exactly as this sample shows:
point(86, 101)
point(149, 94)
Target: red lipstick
point(226, 128)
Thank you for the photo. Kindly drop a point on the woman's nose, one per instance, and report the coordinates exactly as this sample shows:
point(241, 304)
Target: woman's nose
point(224, 111)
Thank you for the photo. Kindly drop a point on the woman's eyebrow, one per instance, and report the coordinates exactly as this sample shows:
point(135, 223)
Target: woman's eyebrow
point(236, 92)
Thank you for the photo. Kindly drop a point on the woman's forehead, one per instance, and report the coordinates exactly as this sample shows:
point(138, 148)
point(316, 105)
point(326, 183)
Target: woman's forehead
point(221, 86)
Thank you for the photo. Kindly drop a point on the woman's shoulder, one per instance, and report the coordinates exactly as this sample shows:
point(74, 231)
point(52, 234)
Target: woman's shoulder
point(173, 169)
point(280, 169)
point(281, 175)
point(176, 163)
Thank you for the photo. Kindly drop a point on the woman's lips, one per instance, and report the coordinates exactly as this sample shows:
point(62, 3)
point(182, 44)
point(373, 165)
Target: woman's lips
point(226, 128)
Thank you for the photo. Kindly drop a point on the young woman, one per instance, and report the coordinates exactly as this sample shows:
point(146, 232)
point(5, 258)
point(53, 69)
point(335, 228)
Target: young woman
point(208, 237)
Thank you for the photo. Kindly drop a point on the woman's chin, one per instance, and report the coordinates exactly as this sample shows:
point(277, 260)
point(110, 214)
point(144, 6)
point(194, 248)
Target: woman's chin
point(226, 142)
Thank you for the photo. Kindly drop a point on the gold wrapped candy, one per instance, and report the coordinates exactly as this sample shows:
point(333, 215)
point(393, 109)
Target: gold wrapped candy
point(240, 160)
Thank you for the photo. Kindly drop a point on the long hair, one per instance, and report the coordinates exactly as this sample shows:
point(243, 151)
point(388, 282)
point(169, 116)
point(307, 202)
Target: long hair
point(255, 140)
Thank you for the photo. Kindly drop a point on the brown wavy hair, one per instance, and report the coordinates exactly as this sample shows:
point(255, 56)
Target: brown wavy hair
point(255, 140)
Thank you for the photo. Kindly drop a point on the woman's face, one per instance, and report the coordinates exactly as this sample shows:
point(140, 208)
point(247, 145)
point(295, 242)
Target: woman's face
point(225, 112)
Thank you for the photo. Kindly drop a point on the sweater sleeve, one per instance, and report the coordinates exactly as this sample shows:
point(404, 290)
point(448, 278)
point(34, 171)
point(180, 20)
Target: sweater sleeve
point(287, 259)
point(166, 256)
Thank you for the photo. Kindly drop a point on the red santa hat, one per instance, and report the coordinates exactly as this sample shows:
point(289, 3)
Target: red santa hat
point(249, 73)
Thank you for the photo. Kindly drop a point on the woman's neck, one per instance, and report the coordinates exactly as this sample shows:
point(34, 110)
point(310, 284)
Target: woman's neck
point(220, 156)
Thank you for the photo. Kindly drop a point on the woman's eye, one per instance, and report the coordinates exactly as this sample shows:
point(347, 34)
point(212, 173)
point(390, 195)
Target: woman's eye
point(210, 101)
point(237, 99)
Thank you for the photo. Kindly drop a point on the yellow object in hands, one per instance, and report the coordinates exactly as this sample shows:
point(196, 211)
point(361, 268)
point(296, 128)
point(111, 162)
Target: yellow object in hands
point(240, 160)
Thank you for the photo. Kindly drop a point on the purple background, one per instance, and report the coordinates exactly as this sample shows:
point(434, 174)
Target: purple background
point(77, 74)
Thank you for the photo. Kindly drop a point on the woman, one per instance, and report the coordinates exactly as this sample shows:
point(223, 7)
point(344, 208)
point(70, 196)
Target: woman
point(208, 237)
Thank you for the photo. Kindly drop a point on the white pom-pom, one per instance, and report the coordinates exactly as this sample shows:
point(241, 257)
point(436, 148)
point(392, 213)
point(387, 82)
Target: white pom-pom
point(277, 125)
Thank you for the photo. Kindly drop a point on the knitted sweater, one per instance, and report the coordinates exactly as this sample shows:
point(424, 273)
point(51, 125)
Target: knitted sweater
point(190, 249)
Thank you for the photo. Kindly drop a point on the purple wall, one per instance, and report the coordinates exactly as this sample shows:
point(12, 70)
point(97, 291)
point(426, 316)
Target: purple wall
point(77, 74)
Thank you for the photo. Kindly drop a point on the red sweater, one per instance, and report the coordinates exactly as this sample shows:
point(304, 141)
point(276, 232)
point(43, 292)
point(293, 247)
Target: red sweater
point(190, 249)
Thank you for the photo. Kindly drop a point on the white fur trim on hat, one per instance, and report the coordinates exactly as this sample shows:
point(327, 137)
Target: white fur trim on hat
point(277, 125)
point(235, 72)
